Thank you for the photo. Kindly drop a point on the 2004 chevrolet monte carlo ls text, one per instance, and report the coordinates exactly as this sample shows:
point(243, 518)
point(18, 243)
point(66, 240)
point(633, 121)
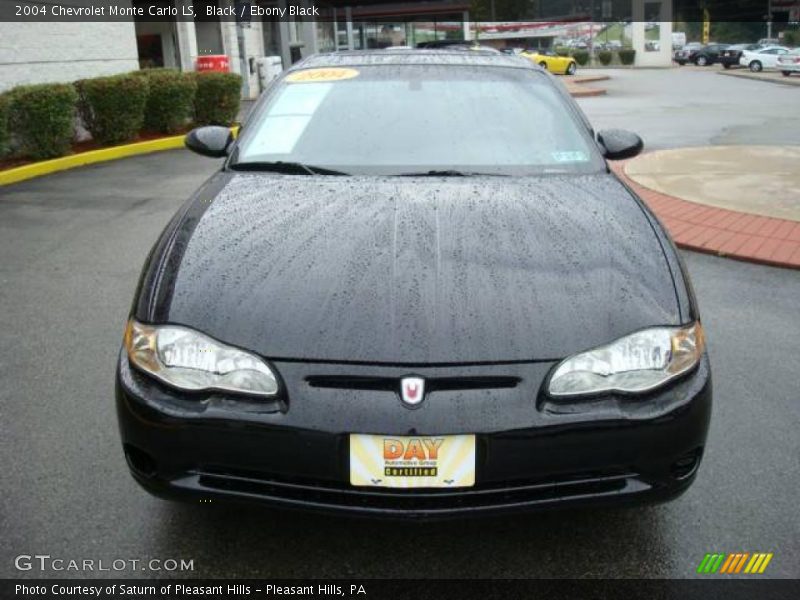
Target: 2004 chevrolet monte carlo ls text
point(414, 289)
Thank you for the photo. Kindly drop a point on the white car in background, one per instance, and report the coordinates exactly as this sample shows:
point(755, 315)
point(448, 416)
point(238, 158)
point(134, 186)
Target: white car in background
point(789, 63)
point(765, 58)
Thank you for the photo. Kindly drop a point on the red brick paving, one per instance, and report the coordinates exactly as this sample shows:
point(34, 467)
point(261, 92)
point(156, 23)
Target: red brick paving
point(723, 232)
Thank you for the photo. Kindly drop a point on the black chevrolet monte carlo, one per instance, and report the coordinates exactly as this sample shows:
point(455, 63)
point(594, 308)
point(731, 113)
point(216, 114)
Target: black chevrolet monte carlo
point(414, 289)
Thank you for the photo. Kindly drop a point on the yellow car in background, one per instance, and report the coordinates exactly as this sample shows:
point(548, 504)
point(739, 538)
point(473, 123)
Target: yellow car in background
point(550, 61)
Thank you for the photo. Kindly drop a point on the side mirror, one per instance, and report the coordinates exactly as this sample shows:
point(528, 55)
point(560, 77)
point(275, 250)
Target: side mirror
point(619, 144)
point(212, 141)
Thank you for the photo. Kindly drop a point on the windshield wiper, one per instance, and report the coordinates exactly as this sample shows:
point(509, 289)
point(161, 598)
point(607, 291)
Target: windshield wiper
point(450, 173)
point(291, 168)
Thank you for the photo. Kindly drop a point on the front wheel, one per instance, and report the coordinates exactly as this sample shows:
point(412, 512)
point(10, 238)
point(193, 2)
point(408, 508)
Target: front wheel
point(572, 68)
point(727, 66)
point(786, 73)
point(543, 65)
point(702, 61)
point(756, 66)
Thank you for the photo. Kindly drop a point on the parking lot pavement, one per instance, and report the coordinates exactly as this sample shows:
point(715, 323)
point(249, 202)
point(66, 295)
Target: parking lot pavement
point(72, 247)
point(692, 106)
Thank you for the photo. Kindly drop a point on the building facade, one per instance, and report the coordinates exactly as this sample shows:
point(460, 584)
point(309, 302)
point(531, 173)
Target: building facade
point(41, 51)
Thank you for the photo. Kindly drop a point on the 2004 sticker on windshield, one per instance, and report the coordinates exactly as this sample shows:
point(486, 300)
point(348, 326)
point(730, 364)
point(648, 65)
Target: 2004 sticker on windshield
point(321, 75)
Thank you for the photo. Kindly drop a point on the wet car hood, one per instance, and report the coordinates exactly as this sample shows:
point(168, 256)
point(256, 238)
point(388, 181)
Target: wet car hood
point(415, 270)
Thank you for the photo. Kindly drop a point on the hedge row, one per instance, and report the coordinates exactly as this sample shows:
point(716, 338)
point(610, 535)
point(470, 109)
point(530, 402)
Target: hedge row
point(3, 123)
point(41, 118)
point(112, 108)
point(626, 55)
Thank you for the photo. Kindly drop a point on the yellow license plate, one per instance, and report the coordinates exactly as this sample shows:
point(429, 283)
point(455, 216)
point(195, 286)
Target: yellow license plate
point(434, 461)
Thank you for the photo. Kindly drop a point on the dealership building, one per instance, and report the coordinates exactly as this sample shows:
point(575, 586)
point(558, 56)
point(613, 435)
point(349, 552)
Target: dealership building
point(47, 51)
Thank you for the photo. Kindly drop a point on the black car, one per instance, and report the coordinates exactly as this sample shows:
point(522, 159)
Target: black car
point(395, 299)
point(681, 56)
point(701, 56)
point(729, 57)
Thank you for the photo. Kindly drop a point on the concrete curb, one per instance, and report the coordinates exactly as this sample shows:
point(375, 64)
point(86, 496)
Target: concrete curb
point(82, 159)
point(576, 88)
point(87, 158)
point(741, 74)
point(722, 232)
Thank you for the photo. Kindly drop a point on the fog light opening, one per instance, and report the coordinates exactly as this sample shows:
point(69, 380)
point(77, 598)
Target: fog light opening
point(686, 465)
point(140, 461)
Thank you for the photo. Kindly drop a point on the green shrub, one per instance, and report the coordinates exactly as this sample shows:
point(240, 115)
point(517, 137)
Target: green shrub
point(604, 56)
point(791, 37)
point(41, 117)
point(581, 57)
point(112, 108)
point(561, 50)
point(170, 101)
point(4, 105)
point(627, 56)
point(218, 98)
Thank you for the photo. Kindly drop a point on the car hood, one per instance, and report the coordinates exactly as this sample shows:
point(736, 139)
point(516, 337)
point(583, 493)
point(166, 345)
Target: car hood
point(415, 270)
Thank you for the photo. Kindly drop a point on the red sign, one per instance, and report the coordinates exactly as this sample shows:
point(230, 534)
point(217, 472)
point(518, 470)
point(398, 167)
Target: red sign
point(213, 62)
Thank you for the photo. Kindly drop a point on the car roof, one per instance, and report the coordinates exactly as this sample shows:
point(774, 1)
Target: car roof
point(387, 56)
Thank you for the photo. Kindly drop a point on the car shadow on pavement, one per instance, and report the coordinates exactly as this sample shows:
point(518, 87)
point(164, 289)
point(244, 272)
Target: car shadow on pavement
point(251, 541)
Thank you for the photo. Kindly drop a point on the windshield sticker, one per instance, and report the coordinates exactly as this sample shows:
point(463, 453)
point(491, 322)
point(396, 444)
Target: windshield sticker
point(287, 119)
point(278, 135)
point(574, 156)
point(317, 75)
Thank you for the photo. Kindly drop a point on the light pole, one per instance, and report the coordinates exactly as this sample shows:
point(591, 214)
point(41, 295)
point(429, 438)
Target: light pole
point(769, 19)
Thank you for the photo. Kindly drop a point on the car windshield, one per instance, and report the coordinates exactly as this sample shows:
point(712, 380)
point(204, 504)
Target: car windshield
point(418, 119)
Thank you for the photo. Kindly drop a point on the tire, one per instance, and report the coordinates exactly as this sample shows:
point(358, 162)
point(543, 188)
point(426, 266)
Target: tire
point(786, 73)
point(756, 66)
point(680, 62)
point(727, 66)
point(543, 65)
point(701, 61)
point(572, 68)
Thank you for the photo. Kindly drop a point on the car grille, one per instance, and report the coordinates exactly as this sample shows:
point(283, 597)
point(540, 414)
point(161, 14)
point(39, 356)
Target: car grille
point(432, 384)
point(330, 495)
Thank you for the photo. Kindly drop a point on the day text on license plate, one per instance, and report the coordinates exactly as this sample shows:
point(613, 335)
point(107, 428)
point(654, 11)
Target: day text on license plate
point(433, 461)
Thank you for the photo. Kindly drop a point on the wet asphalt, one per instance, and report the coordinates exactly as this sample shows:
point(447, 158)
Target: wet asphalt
point(72, 245)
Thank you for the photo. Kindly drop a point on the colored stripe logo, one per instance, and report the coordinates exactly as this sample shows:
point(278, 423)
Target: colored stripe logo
point(735, 563)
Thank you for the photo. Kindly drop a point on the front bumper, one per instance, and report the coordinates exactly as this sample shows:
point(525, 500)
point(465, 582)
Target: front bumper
point(532, 452)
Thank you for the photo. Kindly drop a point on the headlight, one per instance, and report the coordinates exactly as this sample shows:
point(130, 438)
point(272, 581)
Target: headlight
point(633, 364)
point(189, 360)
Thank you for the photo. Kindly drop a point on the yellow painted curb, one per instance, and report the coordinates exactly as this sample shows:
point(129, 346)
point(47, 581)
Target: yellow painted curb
point(93, 156)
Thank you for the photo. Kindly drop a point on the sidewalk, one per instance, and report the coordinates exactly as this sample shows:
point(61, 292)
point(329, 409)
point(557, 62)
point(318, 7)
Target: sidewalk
point(718, 200)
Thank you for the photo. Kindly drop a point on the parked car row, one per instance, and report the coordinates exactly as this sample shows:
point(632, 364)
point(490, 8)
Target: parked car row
point(756, 57)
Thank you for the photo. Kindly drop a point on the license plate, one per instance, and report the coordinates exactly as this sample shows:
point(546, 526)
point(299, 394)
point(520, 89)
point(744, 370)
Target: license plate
point(436, 461)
